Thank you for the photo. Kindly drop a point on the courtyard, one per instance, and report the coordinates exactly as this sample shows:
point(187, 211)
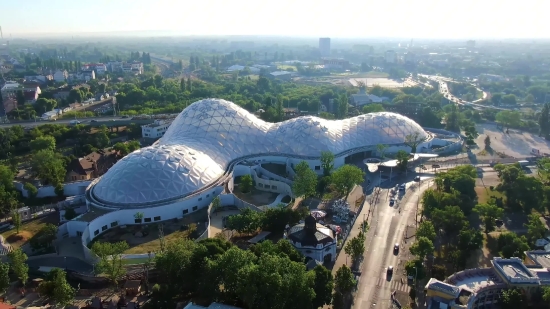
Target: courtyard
point(145, 238)
point(516, 143)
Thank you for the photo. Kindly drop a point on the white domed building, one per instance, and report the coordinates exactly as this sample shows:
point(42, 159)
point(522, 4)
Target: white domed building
point(203, 151)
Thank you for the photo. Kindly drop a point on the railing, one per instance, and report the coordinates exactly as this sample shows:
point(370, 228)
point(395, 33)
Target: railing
point(276, 177)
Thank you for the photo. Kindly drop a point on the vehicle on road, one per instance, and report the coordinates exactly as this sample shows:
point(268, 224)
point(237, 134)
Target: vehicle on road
point(403, 187)
point(392, 202)
point(396, 249)
point(73, 122)
point(124, 117)
point(417, 179)
point(53, 119)
point(93, 120)
point(389, 272)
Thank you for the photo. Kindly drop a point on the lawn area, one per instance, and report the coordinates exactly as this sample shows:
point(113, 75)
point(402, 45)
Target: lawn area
point(136, 261)
point(154, 245)
point(284, 67)
point(484, 194)
point(28, 230)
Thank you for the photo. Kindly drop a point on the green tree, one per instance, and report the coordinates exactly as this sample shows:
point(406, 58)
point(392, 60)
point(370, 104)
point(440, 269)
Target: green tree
point(305, 181)
point(343, 106)
point(487, 142)
point(508, 118)
point(56, 287)
point(327, 162)
point(535, 228)
point(48, 166)
point(44, 238)
point(413, 140)
point(248, 221)
point(402, 159)
point(43, 105)
point(110, 259)
point(544, 120)
point(18, 264)
point(32, 191)
point(323, 285)
point(511, 245)
point(246, 183)
point(216, 204)
point(546, 294)
point(426, 229)
point(381, 149)
point(5, 278)
point(121, 148)
point(70, 214)
point(512, 299)
point(355, 247)
point(373, 108)
point(16, 219)
point(422, 247)
point(344, 281)
point(450, 219)
point(43, 143)
point(489, 213)
point(346, 177)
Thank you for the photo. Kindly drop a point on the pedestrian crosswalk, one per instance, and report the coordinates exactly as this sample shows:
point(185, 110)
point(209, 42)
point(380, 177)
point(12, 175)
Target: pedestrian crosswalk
point(393, 285)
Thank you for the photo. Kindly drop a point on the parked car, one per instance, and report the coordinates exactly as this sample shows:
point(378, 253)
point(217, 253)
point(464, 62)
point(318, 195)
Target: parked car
point(93, 120)
point(417, 179)
point(396, 249)
point(389, 272)
point(392, 202)
point(403, 187)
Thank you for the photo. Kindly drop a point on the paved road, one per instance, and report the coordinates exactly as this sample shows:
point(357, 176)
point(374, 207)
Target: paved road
point(387, 228)
point(70, 263)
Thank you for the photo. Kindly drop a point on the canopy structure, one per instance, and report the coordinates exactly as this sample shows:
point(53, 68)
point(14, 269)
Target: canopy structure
point(209, 134)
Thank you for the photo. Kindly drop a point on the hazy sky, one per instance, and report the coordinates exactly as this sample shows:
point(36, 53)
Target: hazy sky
point(335, 18)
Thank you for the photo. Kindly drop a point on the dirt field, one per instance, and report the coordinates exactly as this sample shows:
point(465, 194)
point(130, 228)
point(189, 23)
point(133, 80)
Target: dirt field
point(382, 82)
point(28, 230)
point(516, 144)
point(257, 197)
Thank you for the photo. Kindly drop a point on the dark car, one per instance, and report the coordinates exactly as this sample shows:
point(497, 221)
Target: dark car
point(389, 272)
point(417, 179)
point(396, 249)
point(392, 202)
point(93, 120)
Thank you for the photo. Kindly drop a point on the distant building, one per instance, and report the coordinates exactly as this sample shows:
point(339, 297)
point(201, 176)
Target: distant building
point(237, 68)
point(280, 75)
point(324, 47)
point(332, 63)
point(99, 68)
point(91, 166)
point(156, 129)
point(30, 96)
point(10, 88)
point(390, 56)
point(409, 57)
point(60, 75)
point(471, 43)
point(363, 98)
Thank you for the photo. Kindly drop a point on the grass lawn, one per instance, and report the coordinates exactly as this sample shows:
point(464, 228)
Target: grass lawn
point(28, 230)
point(154, 245)
point(283, 67)
point(484, 193)
point(136, 261)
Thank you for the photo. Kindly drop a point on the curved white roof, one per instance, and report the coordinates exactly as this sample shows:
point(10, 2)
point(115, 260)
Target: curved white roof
point(209, 134)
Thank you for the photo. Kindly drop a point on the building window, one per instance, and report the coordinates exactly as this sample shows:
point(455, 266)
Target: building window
point(73, 177)
point(79, 233)
point(113, 224)
point(317, 167)
point(137, 220)
point(185, 211)
point(157, 218)
point(274, 187)
point(267, 187)
point(208, 195)
point(261, 185)
point(147, 219)
point(195, 208)
point(200, 199)
point(104, 228)
point(96, 232)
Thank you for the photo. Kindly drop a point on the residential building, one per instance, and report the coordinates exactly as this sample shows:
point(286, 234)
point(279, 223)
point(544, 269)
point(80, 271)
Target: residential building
point(313, 240)
point(10, 88)
point(60, 75)
point(155, 129)
point(390, 56)
point(324, 47)
point(30, 96)
point(99, 68)
point(114, 66)
point(335, 64)
point(87, 75)
point(236, 68)
point(137, 67)
point(42, 79)
point(280, 75)
point(91, 166)
point(9, 104)
point(483, 287)
point(364, 98)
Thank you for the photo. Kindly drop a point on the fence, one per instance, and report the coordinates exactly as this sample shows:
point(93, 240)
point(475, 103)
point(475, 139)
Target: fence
point(205, 234)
